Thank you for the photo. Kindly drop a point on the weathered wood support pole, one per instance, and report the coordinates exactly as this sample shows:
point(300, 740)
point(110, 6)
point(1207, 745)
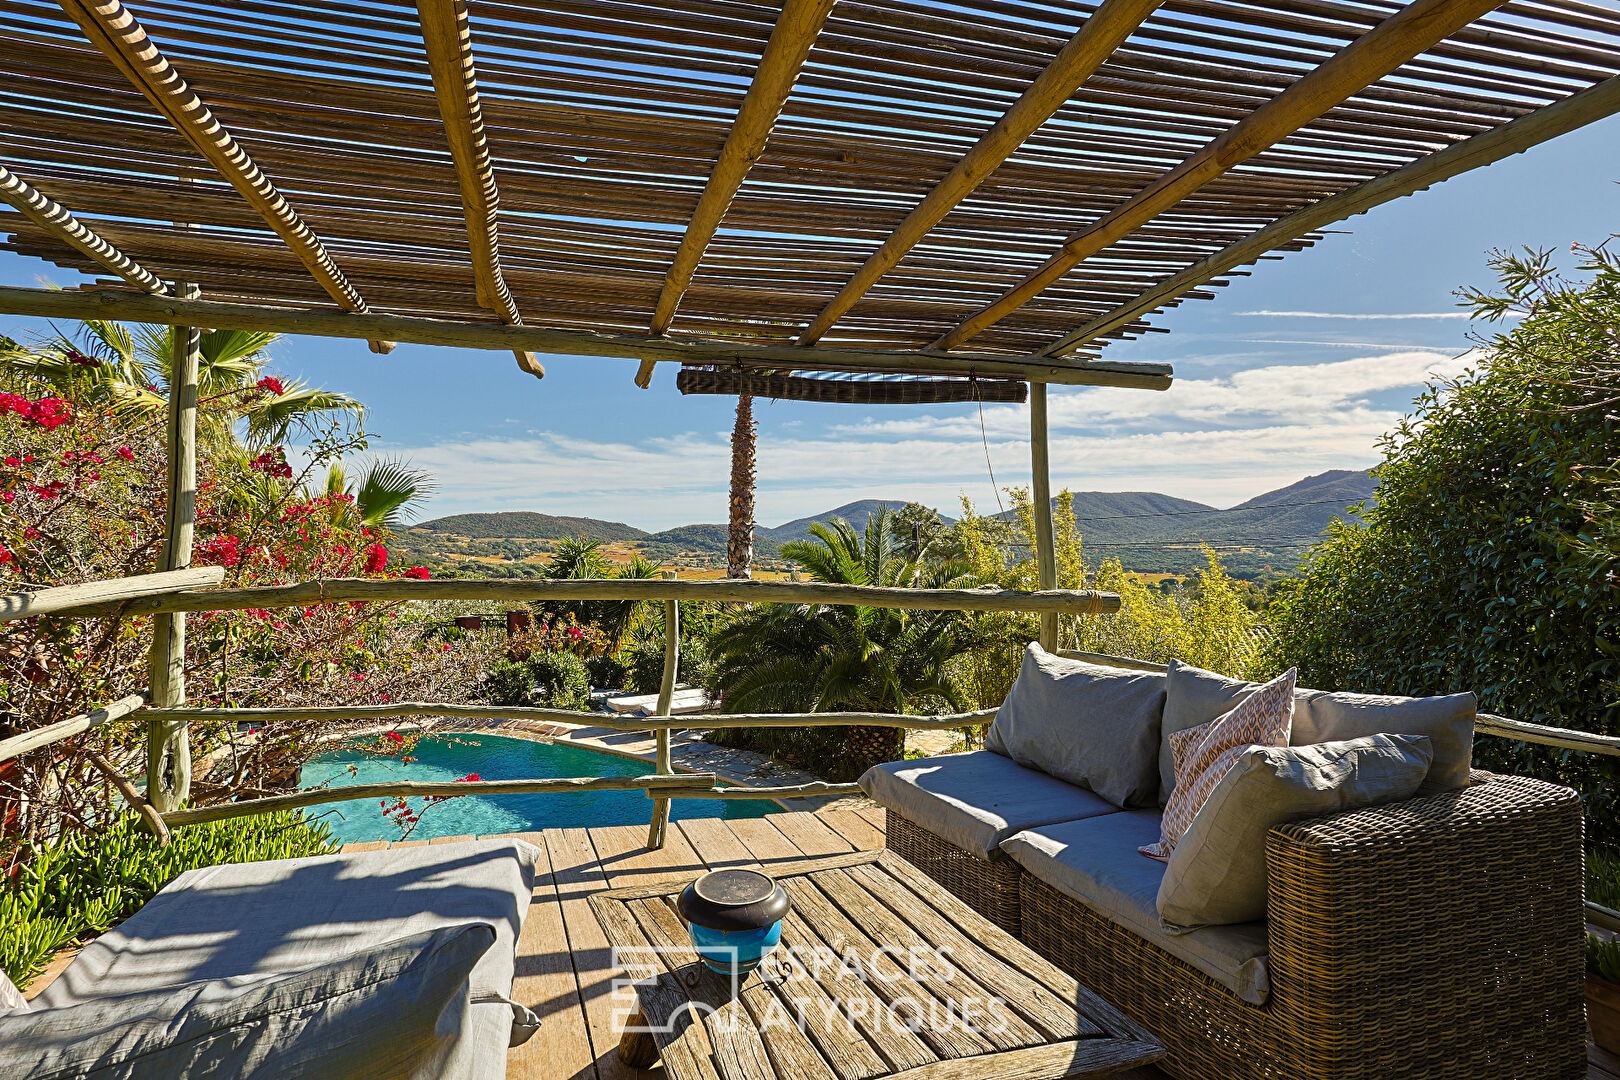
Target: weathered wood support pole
point(168, 746)
point(1041, 497)
point(659, 831)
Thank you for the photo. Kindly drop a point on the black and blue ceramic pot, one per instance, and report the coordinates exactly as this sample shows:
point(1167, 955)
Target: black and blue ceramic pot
point(735, 917)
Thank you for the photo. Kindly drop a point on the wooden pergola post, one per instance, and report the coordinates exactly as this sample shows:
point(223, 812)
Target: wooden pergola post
point(168, 747)
point(659, 830)
point(1041, 498)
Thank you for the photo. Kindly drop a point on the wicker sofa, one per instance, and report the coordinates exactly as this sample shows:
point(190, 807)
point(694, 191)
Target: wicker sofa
point(1439, 936)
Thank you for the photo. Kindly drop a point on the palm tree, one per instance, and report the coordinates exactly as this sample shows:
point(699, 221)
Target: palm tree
point(815, 658)
point(130, 369)
point(581, 558)
point(386, 491)
point(744, 443)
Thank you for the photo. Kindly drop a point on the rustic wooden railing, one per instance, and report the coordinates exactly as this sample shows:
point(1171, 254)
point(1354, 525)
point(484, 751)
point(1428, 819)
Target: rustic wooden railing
point(171, 594)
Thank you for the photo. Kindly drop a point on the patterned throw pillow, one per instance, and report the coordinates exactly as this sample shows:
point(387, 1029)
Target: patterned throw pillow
point(1206, 753)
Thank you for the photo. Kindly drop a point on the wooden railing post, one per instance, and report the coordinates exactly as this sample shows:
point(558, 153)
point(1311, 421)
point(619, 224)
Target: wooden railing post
point(1041, 497)
point(168, 748)
point(659, 830)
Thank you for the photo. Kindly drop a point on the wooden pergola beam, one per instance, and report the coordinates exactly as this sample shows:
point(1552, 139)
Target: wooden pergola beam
point(111, 28)
point(795, 32)
point(1514, 137)
point(447, 35)
point(56, 220)
point(1364, 61)
point(1090, 47)
point(467, 334)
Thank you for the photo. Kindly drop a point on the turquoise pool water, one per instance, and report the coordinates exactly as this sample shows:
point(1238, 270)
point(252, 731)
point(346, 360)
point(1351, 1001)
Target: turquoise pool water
point(497, 757)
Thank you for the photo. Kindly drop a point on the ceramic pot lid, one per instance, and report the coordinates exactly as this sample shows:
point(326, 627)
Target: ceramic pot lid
point(731, 900)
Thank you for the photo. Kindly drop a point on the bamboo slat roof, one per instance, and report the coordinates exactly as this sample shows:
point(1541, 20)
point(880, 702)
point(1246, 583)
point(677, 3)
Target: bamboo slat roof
point(603, 121)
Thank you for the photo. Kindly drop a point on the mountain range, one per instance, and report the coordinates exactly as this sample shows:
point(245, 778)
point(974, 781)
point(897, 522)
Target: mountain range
point(1148, 531)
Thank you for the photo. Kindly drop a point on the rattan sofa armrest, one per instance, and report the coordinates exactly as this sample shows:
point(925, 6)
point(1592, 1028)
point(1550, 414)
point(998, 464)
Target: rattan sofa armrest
point(1414, 915)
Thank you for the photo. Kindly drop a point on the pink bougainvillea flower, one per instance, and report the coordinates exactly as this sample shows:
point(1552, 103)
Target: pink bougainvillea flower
point(418, 572)
point(12, 463)
point(271, 385)
point(376, 558)
point(126, 453)
point(8, 496)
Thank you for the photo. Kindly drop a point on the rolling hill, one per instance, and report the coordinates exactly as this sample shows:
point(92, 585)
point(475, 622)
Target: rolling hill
point(527, 525)
point(856, 513)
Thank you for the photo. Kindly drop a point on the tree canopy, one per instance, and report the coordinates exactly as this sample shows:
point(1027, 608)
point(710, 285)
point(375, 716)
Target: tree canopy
point(1490, 560)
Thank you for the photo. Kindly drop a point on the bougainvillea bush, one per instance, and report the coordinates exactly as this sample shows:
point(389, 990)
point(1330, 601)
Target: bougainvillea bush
point(82, 491)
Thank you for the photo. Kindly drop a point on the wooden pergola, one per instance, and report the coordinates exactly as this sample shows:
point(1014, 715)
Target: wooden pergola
point(975, 192)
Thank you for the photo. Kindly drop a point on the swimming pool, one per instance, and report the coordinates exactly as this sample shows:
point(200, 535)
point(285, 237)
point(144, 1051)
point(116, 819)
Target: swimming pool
point(496, 757)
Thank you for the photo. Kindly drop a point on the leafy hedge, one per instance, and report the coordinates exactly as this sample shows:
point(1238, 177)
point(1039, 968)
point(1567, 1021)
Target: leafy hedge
point(551, 679)
point(82, 886)
point(1490, 561)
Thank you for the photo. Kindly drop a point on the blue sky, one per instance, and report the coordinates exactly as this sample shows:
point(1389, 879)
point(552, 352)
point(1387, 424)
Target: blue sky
point(1295, 370)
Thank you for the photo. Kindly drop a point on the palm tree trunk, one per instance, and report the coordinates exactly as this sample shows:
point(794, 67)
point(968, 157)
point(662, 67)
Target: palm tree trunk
point(740, 542)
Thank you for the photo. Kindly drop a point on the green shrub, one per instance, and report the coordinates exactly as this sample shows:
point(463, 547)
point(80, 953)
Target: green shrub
point(1488, 561)
point(1603, 957)
point(507, 682)
point(559, 680)
point(607, 672)
point(82, 886)
point(553, 680)
point(644, 665)
point(1603, 877)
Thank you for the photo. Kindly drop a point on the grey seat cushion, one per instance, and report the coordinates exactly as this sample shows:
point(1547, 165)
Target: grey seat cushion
point(1448, 723)
point(1217, 873)
point(977, 800)
point(1096, 862)
point(394, 1012)
point(278, 916)
point(1097, 727)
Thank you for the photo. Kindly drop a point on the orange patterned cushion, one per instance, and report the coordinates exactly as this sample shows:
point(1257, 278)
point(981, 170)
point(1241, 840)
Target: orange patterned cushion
point(1206, 753)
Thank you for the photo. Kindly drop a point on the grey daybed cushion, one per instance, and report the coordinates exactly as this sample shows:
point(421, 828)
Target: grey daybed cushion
point(1217, 873)
point(283, 915)
point(1448, 723)
point(1097, 727)
point(1096, 862)
point(393, 1012)
point(976, 800)
point(1194, 696)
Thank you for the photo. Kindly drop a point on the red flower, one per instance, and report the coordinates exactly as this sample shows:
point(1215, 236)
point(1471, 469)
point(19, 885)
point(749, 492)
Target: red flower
point(5, 556)
point(469, 776)
point(126, 453)
point(376, 558)
point(8, 496)
point(418, 572)
point(272, 385)
point(12, 462)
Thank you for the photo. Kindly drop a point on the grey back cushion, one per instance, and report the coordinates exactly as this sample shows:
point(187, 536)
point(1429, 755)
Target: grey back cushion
point(1448, 722)
point(1217, 874)
point(393, 1012)
point(1194, 696)
point(1091, 726)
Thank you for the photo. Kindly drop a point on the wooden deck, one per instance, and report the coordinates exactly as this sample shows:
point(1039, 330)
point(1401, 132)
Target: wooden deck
point(563, 969)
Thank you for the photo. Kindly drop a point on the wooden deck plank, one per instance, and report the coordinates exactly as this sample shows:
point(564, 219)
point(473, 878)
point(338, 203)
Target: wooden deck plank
point(853, 827)
point(545, 980)
point(576, 874)
point(810, 834)
point(715, 844)
point(763, 840)
point(626, 860)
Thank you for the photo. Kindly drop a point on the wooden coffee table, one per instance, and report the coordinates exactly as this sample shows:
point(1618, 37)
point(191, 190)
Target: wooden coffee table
point(881, 972)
